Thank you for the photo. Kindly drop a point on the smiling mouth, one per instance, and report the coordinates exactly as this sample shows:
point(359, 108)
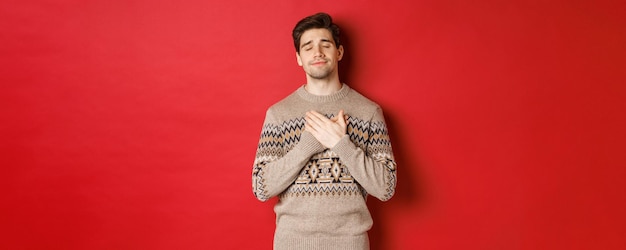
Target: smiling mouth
point(318, 63)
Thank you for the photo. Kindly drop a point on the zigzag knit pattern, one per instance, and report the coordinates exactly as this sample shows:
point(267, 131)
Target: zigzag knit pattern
point(324, 174)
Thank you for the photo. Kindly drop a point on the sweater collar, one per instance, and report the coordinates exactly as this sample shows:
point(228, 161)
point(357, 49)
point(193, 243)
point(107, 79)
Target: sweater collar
point(343, 92)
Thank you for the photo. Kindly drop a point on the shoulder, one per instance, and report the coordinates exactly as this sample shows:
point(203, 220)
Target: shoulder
point(283, 107)
point(286, 102)
point(362, 106)
point(360, 99)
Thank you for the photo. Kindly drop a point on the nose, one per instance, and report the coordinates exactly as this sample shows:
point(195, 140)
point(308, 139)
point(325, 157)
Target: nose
point(317, 51)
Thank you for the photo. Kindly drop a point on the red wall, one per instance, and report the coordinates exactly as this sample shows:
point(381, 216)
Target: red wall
point(133, 124)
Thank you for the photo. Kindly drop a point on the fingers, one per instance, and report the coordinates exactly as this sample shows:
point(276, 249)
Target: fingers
point(342, 121)
point(320, 119)
point(313, 120)
point(308, 128)
point(317, 117)
point(326, 131)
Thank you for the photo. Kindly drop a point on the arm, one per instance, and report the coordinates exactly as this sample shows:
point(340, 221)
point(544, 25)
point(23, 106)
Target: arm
point(274, 169)
point(375, 168)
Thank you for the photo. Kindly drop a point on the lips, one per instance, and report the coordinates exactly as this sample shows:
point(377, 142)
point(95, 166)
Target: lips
point(318, 63)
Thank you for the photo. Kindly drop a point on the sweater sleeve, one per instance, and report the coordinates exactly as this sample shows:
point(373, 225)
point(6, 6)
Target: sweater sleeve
point(375, 168)
point(274, 168)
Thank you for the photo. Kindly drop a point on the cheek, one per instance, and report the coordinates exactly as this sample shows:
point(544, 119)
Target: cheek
point(301, 58)
point(305, 57)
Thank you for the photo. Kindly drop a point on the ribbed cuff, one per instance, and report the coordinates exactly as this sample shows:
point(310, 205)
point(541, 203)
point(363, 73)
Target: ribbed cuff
point(345, 147)
point(308, 144)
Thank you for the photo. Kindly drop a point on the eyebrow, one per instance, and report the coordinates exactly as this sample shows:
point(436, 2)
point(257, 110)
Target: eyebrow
point(311, 41)
point(305, 44)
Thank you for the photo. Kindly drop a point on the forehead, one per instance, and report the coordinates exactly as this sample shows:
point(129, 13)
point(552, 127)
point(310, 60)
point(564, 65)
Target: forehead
point(316, 35)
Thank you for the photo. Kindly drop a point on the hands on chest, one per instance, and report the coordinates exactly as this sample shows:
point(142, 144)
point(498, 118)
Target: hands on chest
point(327, 131)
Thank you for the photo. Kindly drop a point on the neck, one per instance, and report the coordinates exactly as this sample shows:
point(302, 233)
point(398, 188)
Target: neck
point(323, 86)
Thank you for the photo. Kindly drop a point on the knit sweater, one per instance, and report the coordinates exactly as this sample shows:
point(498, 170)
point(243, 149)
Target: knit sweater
point(322, 191)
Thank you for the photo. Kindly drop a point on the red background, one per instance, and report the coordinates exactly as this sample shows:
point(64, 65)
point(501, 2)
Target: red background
point(133, 124)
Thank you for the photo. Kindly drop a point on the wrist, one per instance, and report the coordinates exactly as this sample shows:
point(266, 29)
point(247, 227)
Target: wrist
point(310, 143)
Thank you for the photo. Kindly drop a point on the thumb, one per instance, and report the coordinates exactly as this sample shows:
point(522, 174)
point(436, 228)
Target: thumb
point(341, 118)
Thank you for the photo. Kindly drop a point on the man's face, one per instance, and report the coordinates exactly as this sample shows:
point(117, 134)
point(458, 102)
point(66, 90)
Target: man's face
point(318, 55)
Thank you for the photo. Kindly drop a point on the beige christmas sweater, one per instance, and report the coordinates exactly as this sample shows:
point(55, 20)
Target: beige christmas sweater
point(322, 191)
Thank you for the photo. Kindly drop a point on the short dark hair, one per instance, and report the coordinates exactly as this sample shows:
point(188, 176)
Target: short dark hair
point(317, 21)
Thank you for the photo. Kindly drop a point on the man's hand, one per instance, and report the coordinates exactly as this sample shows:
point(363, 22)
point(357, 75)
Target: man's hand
point(327, 131)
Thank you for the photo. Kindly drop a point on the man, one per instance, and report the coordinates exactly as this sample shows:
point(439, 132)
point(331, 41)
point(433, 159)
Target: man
point(322, 150)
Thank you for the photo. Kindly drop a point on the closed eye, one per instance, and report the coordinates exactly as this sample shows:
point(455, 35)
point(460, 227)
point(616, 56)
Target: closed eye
point(326, 43)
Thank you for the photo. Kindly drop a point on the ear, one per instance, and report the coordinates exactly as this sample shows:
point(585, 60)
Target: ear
point(299, 59)
point(340, 53)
